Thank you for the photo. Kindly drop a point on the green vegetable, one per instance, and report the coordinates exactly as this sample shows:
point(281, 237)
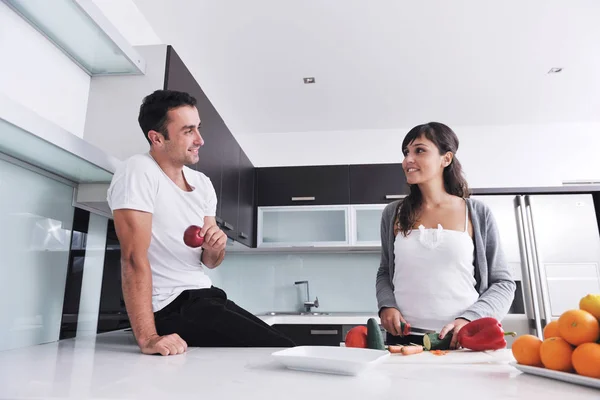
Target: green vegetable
point(432, 341)
point(374, 336)
point(404, 329)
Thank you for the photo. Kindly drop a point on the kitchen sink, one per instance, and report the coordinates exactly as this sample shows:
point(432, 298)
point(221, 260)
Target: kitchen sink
point(274, 313)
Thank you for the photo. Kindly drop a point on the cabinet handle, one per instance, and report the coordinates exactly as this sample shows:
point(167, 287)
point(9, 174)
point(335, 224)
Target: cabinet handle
point(243, 235)
point(309, 198)
point(323, 331)
point(394, 196)
point(227, 226)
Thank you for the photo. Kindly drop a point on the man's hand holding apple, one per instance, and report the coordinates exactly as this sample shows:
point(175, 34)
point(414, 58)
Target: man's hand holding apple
point(212, 239)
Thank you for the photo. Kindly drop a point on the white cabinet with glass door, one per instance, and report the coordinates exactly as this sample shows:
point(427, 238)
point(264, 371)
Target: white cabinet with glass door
point(365, 226)
point(303, 226)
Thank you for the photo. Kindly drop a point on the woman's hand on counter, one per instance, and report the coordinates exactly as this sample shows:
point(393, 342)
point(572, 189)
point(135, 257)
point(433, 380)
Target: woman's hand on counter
point(452, 329)
point(390, 319)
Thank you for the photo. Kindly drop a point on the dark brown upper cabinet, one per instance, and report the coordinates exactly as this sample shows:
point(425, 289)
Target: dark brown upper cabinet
point(377, 183)
point(230, 170)
point(310, 185)
point(247, 205)
point(178, 77)
point(219, 158)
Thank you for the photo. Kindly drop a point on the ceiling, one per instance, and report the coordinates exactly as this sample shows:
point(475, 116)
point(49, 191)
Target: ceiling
point(384, 65)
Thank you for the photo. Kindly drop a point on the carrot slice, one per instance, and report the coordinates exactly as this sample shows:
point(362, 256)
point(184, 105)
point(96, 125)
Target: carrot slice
point(408, 350)
point(395, 349)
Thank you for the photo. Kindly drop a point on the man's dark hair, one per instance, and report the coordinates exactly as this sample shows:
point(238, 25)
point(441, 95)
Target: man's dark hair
point(154, 109)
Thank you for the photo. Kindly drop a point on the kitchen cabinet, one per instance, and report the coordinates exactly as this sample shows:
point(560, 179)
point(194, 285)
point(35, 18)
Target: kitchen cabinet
point(310, 185)
point(228, 210)
point(219, 158)
point(365, 226)
point(297, 226)
point(178, 77)
point(246, 207)
point(312, 335)
point(320, 226)
point(377, 183)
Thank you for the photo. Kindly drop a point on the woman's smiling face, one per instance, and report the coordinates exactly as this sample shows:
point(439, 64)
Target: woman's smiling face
point(423, 161)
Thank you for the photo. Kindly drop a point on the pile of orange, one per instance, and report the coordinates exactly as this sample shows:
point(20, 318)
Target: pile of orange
point(571, 343)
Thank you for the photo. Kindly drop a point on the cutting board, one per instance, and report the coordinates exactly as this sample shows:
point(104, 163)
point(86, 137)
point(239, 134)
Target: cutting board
point(453, 357)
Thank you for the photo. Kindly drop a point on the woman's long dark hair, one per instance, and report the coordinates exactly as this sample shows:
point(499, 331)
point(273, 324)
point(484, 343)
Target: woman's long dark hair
point(454, 182)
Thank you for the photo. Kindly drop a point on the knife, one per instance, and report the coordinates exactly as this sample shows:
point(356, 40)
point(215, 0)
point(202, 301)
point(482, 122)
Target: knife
point(420, 330)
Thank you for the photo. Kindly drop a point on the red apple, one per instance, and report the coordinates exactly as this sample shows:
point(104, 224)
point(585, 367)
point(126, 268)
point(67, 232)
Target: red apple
point(191, 236)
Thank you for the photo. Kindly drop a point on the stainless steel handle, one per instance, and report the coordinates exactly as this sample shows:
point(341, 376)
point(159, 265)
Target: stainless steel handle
point(582, 182)
point(308, 198)
point(227, 226)
point(532, 308)
point(324, 331)
point(243, 235)
point(394, 196)
point(539, 265)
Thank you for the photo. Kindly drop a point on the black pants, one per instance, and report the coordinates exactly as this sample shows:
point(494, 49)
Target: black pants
point(206, 318)
point(403, 340)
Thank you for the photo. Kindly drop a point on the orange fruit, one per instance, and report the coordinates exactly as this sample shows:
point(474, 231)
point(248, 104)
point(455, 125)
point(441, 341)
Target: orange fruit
point(578, 327)
point(526, 350)
point(591, 304)
point(586, 360)
point(551, 330)
point(556, 354)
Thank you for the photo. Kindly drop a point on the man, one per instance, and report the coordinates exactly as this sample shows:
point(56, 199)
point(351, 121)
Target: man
point(154, 197)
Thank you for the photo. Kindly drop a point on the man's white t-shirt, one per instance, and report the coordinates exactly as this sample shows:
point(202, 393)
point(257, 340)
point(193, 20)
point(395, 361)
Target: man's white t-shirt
point(140, 184)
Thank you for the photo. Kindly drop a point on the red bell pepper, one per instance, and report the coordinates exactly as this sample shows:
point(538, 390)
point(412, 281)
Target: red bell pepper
point(483, 334)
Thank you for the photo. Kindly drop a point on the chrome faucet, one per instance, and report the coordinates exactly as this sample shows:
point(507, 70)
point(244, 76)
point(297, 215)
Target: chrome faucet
point(308, 304)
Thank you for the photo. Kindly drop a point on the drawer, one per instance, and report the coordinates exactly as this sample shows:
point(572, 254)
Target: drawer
point(312, 335)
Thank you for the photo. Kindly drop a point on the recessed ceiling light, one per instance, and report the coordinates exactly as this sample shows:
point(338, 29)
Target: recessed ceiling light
point(310, 79)
point(555, 70)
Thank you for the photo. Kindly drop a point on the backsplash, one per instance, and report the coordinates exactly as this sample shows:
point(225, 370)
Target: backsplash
point(343, 282)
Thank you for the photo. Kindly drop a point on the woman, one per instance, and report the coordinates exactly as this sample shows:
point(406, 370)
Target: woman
point(441, 261)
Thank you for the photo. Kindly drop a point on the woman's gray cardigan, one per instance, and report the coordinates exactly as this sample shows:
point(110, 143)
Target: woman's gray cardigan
point(495, 284)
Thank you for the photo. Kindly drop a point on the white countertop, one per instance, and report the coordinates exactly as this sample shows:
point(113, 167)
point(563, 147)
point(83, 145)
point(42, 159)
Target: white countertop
point(331, 319)
point(110, 366)
point(344, 318)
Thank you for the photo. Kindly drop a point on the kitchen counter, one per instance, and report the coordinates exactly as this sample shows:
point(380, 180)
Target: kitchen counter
point(110, 366)
point(348, 318)
point(333, 318)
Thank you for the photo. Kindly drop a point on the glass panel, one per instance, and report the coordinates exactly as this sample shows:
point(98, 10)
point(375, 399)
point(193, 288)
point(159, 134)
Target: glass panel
point(72, 29)
point(307, 226)
point(566, 292)
point(36, 219)
point(91, 284)
point(27, 147)
point(368, 225)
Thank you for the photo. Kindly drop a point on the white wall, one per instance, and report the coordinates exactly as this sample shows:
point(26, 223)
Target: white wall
point(492, 156)
point(129, 21)
point(114, 104)
point(38, 75)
